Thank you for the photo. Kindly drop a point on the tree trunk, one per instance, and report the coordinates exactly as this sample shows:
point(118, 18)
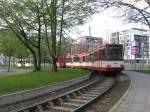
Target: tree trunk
point(54, 65)
point(21, 61)
point(39, 53)
point(39, 59)
point(8, 64)
point(35, 62)
point(44, 61)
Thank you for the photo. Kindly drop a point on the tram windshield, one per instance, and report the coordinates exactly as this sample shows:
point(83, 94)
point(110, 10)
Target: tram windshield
point(114, 53)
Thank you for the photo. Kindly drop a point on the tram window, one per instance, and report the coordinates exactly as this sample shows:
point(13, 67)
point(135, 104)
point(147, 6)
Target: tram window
point(100, 54)
point(97, 55)
point(76, 59)
point(114, 53)
point(68, 59)
point(103, 52)
point(81, 59)
point(84, 59)
point(87, 58)
point(92, 57)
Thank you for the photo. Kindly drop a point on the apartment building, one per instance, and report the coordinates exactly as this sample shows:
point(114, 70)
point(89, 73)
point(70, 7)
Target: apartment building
point(129, 38)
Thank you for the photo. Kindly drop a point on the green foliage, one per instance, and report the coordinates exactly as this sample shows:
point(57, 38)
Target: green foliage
point(145, 71)
point(21, 51)
point(7, 44)
point(11, 46)
point(32, 20)
point(11, 84)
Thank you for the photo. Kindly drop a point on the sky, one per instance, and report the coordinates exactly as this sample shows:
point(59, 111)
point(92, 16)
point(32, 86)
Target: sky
point(103, 24)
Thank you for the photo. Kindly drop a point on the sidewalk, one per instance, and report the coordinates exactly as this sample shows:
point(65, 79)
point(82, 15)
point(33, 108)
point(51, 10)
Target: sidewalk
point(138, 99)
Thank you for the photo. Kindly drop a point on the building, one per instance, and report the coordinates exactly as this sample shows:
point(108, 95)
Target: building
point(128, 38)
point(90, 42)
point(83, 45)
point(4, 60)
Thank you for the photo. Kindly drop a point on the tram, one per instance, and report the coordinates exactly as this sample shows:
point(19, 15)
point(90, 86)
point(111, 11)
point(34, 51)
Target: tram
point(105, 58)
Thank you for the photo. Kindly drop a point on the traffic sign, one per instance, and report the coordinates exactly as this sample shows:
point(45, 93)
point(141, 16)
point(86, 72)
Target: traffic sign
point(134, 50)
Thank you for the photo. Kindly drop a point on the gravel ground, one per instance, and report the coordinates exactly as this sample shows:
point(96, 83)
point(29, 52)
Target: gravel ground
point(105, 103)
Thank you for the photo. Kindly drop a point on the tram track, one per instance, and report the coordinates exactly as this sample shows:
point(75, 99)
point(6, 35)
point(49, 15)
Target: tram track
point(74, 100)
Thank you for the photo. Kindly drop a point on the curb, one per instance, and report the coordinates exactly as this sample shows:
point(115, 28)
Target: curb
point(122, 98)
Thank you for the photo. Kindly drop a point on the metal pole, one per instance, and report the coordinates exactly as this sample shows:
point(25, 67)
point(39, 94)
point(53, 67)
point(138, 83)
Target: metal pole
point(135, 62)
point(89, 38)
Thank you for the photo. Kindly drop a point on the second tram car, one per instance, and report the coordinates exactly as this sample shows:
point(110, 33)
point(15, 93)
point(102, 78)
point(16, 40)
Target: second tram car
point(105, 58)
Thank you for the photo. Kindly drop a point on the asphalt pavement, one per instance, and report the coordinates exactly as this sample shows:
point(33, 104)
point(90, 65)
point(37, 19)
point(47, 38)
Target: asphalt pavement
point(3, 72)
point(138, 98)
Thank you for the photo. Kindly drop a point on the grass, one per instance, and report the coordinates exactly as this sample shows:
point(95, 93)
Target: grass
point(144, 71)
point(10, 84)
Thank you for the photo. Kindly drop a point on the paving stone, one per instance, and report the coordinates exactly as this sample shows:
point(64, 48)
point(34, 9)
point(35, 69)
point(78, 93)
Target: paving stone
point(138, 98)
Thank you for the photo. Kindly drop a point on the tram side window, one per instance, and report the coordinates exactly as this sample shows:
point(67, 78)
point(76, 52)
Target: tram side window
point(84, 59)
point(92, 57)
point(68, 59)
point(100, 55)
point(103, 54)
point(96, 56)
point(76, 59)
point(81, 59)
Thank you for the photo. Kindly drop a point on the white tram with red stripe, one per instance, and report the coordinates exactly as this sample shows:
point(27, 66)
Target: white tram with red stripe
point(105, 58)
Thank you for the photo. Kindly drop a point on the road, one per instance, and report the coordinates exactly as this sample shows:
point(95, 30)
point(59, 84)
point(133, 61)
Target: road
point(3, 72)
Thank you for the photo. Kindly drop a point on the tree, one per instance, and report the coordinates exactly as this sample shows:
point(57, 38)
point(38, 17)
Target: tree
point(132, 9)
point(30, 19)
point(24, 19)
point(45, 55)
point(59, 17)
point(7, 46)
point(21, 52)
point(10, 46)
